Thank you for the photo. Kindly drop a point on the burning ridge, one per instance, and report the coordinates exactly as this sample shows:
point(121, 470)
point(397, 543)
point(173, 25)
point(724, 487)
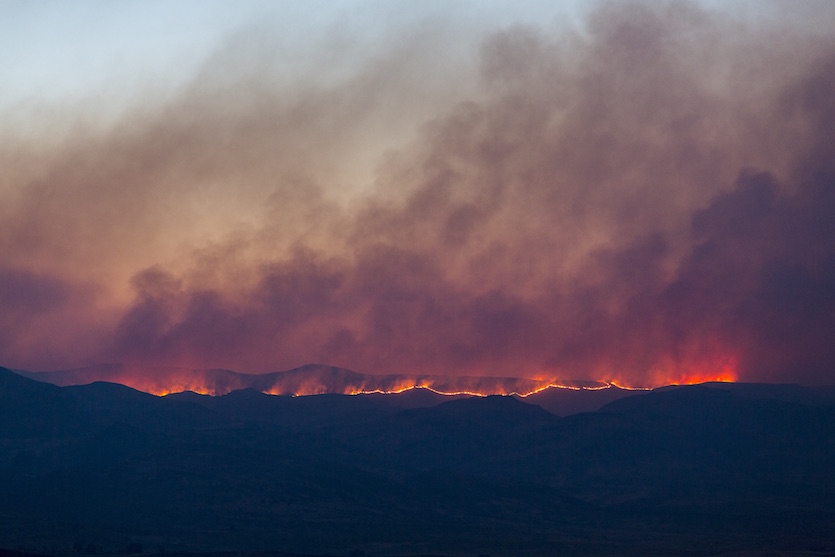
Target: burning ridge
point(305, 380)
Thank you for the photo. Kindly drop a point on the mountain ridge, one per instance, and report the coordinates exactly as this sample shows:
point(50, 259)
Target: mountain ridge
point(305, 379)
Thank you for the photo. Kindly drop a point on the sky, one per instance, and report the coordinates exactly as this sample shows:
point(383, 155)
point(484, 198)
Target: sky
point(638, 192)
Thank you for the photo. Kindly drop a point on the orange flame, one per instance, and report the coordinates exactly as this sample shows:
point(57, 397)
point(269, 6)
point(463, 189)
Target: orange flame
point(310, 380)
point(701, 370)
point(694, 378)
point(722, 371)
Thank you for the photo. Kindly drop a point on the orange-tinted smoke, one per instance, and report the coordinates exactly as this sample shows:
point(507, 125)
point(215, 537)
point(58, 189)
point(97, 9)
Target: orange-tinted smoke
point(645, 200)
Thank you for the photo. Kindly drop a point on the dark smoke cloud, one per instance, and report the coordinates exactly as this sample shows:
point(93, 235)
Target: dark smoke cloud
point(648, 199)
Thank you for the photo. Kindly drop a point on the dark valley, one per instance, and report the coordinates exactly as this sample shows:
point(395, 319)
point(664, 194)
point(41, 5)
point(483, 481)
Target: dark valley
point(713, 469)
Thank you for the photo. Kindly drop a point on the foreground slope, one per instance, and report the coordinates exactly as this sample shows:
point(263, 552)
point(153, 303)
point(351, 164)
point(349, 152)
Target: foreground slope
point(694, 470)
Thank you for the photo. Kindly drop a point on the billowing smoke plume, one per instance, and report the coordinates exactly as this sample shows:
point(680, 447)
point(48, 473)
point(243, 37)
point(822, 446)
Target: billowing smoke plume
point(648, 199)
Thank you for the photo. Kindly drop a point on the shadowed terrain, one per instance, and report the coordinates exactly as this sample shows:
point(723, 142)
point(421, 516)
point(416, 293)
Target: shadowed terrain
point(740, 469)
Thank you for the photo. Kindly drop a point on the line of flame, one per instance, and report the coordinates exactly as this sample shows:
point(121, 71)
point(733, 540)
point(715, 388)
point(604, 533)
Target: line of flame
point(313, 387)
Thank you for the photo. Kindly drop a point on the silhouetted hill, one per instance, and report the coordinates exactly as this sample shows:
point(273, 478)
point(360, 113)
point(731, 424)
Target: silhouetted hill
point(455, 437)
point(753, 441)
point(702, 470)
point(38, 410)
point(117, 403)
point(250, 405)
point(818, 396)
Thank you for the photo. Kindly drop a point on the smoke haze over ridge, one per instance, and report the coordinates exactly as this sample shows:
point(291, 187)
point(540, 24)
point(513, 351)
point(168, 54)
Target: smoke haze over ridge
point(648, 198)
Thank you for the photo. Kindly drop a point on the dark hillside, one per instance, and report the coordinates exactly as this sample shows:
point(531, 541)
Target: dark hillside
point(687, 471)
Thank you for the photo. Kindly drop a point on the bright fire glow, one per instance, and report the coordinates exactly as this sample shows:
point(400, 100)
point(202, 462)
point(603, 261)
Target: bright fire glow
point(179, 389)
point(696, 378)
point(723, 371)
point(444, 386)
point(311, 380)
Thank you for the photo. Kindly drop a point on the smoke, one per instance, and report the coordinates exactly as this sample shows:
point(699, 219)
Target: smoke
point(645, 199)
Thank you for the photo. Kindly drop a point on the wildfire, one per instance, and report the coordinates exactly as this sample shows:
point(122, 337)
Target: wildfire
point(171, 389)
point(723, 370)
point(446, 387)
point(309, 390)
point(318, 379)
point(706, 377)
point(413, 387)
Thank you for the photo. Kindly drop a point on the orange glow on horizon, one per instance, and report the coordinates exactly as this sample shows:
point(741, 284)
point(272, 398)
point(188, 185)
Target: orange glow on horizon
point(697, 378)
point(311, 390)
point(716, 369)
point(724, 372)
point(180, 389)
point(162, 382)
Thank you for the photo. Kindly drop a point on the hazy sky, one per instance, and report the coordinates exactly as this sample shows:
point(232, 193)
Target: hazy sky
point(632, 191)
